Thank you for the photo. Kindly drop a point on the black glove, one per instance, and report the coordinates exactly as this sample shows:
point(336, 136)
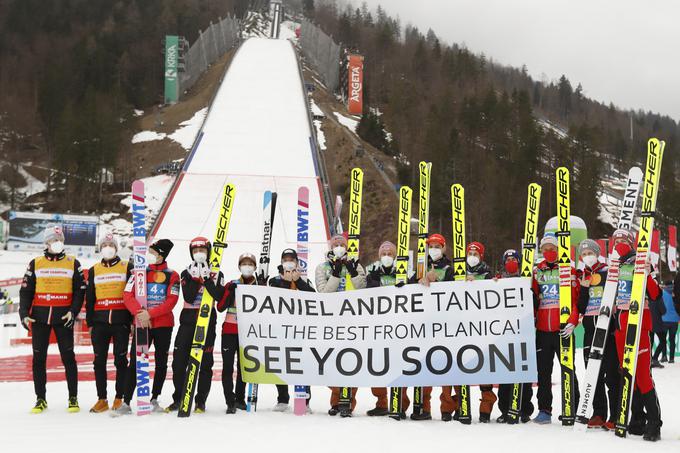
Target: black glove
point(400, 284)
point(261, 279)
point(337, 268)
point(351, 266)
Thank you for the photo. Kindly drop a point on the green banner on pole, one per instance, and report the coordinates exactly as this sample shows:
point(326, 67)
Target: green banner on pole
point(171, 74)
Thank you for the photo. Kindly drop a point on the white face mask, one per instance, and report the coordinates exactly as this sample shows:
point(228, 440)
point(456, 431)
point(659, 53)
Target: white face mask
point(590, 260)
point(200, 257)
point(289, 265)
point(339, 251)
point(472, 260)
point(386, 260)
point(247, 270)
point(57, 247)
point(435, 253)
point(151, 258)
point(108, 252)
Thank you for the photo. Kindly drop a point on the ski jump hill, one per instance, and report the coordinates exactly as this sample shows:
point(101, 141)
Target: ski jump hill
point(258, 136)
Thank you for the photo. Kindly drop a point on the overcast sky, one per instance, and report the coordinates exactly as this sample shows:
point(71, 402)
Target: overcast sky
point(621, 51)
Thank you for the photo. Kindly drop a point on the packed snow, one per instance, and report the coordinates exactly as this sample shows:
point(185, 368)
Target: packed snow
point(186, 133)
point(147, 136)
point(349, 122)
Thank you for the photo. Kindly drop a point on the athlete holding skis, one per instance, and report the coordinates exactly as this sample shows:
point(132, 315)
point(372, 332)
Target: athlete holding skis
point(162, 294)
point(384, 273)
point(477, 269)
point(511, 264)
point(645, 418)
point(195, 279)
point(592, 279)
point(332, 276)
point(440, 270)
point(235, 395)
point(545, 286)
point(289, 278)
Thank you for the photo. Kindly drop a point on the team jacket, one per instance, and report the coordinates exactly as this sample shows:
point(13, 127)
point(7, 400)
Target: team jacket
point(192, 292)
point(378, 275)
point(52, 286)
point(104, 299)
point(546, 288)
point(162, 293)
point(301, 284)
point(326, 282)
point(479, 272)
point(442, 267)
point(228, 302)
point(590, 298)
point(623, 294)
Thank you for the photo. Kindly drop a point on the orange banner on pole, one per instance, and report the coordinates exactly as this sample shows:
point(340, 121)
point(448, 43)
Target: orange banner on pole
point(355, 99)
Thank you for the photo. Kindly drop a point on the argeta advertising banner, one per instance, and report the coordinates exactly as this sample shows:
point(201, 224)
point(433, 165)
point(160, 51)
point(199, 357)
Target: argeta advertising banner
point(450, 333)
point(26, 231)
point(355, 99)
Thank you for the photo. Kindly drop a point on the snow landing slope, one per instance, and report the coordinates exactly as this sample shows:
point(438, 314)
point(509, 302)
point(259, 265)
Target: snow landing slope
point(257, 136)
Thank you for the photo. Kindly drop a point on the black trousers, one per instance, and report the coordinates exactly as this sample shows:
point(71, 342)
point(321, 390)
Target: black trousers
point(609, 371)
point(180, 361)
point(229, 351)
point(40, 341)
point(160, 338)
point(505, 398)
point(102, 334)
point(547, 348)
point(672, 332)
point(661, 347)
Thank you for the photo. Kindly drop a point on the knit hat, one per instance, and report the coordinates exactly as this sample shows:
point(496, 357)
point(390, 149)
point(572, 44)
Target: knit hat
point(163, 247)
point(622, 233)
point(436, 239)
point(110, 239)
point(589, 244)
point(511, 253)
point(387, 246)
point(247, 256)
point(53, 232)
point(548, 239)
point(338, 237)
point(289, 253)
point(476, 246)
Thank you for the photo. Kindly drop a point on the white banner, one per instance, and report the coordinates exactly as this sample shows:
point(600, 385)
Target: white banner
point(452, 333)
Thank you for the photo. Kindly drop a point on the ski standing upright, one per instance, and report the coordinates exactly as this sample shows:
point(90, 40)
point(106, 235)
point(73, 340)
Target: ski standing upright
point(268, 214)
point(526, 271)
point(354, 232)
point(141, 333)
point(206, 307)
point(585, 408)
point(421, 265)
point(459, 275)
point(404, 230)
point(655, 149)
point(301, 391)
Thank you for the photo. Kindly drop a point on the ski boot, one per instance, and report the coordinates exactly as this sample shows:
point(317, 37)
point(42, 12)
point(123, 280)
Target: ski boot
point(652, 432)
point(73, 405)
point(40, 406)
point(377, 412)
point(484, 417)
point(100, 406)
point(502, 419)
point(333, 411)
point(446, 416)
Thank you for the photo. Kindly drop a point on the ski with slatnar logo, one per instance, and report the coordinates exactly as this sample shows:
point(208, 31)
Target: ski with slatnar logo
point(421, 266)
point(301, 391)
point(404, 230)
point(459, 275)
point(567, 376)
point(268, 214)
point(585, 408)
point(638, 293)
point(206, 307)
point(141, 333)
point(354, 232)
point(526, 271)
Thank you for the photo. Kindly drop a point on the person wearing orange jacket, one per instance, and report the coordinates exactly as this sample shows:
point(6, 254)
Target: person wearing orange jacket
point(545, 286)
point(645, 417)
point(162, 293)
point(50, 298)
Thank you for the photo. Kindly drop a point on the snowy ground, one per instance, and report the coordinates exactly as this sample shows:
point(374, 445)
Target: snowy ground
point(266, 430)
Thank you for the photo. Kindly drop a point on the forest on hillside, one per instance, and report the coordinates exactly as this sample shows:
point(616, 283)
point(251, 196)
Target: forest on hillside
point(478, 122)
